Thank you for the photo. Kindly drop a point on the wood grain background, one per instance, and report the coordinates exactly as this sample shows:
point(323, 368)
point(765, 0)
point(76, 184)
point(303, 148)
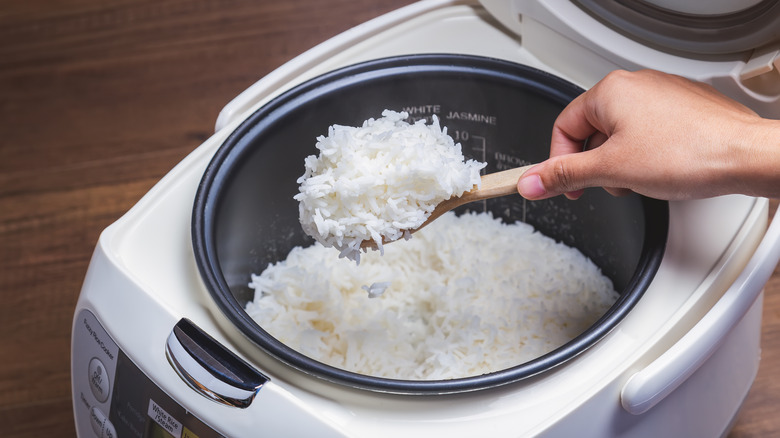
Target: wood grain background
point(98, 100)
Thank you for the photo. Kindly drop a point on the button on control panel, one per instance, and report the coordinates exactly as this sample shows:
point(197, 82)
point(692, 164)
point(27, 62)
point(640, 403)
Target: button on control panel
point(100, 424)
point(98, 380)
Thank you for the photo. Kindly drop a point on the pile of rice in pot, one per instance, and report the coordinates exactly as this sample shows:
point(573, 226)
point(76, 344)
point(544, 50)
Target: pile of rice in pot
point(467, 296)
point(377, 181)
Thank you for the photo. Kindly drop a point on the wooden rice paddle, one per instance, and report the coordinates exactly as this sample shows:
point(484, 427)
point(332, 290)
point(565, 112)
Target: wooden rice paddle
point(493, 185)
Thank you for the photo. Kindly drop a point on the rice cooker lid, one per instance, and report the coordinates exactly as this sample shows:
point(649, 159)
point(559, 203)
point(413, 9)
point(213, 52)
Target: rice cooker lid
point(693, 27)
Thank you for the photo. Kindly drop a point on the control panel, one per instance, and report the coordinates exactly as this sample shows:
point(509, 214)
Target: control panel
point(114, 398)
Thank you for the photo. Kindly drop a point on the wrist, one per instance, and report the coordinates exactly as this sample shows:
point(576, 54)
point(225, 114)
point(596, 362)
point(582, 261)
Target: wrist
point(758, 172)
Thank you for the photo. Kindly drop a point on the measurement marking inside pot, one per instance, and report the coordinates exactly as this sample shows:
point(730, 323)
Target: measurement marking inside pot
point(524, 210)
point(482, 148)
point(481, 151)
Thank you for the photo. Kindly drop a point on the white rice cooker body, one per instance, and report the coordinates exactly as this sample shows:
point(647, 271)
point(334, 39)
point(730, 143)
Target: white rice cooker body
point(143, 263)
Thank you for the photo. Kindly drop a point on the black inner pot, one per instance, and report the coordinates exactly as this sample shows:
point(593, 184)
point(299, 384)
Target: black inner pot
point(245, 216)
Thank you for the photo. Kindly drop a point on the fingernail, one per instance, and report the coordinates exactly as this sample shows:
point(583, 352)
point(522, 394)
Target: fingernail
point(531, 187)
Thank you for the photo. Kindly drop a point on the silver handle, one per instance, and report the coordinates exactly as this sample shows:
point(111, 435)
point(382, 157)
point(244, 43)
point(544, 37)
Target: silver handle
point(211, 369)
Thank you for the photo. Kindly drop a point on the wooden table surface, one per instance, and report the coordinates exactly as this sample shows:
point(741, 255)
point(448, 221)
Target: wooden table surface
point(98, 100)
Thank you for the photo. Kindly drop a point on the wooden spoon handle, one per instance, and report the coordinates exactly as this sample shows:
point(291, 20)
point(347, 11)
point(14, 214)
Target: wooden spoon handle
point(497, 184)
point(493, 185)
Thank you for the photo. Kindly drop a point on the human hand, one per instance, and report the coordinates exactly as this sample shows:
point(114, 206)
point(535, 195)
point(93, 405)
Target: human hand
point(659, 135)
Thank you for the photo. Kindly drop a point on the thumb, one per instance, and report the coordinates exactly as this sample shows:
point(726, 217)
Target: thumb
point(561, 175)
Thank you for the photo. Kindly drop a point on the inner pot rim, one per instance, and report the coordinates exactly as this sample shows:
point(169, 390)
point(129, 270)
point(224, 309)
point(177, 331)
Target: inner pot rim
point(218, 173)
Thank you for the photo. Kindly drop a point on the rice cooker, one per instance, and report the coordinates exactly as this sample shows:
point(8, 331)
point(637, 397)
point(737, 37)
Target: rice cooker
point(161, 345)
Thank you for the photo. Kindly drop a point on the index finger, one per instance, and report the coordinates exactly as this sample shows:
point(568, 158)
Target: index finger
point(572, 127)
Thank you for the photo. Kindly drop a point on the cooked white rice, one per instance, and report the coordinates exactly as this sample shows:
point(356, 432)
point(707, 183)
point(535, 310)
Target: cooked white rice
point(377, 181)
point(468, 295)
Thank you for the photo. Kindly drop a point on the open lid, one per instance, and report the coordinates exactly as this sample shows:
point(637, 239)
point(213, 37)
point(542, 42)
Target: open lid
point(733, 45)
point(692, 26)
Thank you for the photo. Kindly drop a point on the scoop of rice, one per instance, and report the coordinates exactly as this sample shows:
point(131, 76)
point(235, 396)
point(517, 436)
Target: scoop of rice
point(375, 182)
point(468, 295)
